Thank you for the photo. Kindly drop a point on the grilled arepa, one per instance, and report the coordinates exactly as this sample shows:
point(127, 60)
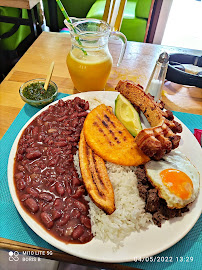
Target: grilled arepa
point(110, 140)
point(95, 177)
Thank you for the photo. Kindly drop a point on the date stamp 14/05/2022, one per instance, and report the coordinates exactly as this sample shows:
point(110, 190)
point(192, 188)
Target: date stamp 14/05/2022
point(165, 259)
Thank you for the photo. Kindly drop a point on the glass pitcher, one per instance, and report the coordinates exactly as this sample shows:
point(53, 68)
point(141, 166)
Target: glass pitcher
point(89, 61)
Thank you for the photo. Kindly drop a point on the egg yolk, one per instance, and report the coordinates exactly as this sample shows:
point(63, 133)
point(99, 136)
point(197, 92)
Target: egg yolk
point(177, 182)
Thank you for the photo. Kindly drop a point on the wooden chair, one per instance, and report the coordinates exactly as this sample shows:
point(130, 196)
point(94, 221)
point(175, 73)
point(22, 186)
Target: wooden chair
point(113, 13)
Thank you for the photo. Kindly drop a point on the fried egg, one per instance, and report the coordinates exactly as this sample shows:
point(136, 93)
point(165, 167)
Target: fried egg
point(175, 178)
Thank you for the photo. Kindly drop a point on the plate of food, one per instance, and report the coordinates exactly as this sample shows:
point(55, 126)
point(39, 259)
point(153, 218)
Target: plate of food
point(84, 184)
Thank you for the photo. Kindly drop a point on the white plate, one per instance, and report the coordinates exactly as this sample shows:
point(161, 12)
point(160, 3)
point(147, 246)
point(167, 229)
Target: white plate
point(139, 244)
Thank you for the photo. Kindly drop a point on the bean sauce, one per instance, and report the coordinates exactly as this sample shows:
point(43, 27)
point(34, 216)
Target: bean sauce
point(47, 183)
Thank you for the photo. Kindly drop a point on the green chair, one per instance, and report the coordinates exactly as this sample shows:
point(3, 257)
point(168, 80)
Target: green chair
point(74, 8)
point(16, 35)
point(135, 17)
point(11, 34)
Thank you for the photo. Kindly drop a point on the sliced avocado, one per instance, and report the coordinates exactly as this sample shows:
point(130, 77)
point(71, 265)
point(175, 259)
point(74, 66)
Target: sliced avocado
point(127, 115)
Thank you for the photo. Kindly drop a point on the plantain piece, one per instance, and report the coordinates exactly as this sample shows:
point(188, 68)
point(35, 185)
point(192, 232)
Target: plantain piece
point(110, 140)
point(95, 177)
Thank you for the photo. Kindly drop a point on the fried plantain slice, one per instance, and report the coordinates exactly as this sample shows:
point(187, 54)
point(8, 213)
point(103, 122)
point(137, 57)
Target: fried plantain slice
point(95, 177)
point(110, 140)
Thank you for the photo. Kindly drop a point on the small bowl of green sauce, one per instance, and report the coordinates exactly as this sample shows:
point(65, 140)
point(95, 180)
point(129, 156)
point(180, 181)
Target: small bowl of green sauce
point(33, 92)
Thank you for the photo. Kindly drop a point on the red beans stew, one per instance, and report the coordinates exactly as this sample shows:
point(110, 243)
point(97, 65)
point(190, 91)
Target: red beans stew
point(46, 180)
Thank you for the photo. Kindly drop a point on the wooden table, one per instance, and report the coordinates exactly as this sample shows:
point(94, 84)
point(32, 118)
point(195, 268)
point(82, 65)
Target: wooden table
point(137, 65)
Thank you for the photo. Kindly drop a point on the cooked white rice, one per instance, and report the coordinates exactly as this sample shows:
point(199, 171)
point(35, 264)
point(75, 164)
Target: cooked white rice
point(129, 215)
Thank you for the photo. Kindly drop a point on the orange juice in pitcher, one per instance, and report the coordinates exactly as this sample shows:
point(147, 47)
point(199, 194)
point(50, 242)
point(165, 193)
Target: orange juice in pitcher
point(89, 72)
point(89, 61)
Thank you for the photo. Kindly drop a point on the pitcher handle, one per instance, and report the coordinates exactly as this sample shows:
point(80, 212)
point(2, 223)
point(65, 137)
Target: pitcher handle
point(124, 43)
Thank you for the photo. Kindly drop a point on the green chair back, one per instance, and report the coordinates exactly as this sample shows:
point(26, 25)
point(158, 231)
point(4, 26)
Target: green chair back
point(12, 42)
point(75, 8)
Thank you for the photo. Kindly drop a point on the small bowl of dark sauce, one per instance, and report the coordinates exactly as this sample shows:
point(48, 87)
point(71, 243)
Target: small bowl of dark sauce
point(33, 92)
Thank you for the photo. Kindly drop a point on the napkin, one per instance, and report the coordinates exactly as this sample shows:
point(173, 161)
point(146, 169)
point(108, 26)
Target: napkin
point(198, 135)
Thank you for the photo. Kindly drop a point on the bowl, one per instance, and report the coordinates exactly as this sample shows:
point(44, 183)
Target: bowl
point(39, 99)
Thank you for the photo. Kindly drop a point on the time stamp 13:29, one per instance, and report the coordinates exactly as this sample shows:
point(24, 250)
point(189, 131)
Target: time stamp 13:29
point(168, 259)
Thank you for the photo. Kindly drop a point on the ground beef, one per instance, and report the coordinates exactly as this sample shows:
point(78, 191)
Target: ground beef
point(153, 203)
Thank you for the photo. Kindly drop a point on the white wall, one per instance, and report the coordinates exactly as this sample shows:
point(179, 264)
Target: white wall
point(163, 17)
point(184, 25)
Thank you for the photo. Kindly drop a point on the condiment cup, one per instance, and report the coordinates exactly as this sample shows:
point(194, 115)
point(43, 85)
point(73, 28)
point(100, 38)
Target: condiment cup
point(41, 102)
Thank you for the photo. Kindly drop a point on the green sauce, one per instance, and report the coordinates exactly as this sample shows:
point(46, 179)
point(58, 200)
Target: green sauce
point(36, 91)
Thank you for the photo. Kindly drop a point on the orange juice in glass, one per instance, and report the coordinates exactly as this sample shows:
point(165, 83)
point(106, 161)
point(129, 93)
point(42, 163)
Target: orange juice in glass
point(89, 61)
